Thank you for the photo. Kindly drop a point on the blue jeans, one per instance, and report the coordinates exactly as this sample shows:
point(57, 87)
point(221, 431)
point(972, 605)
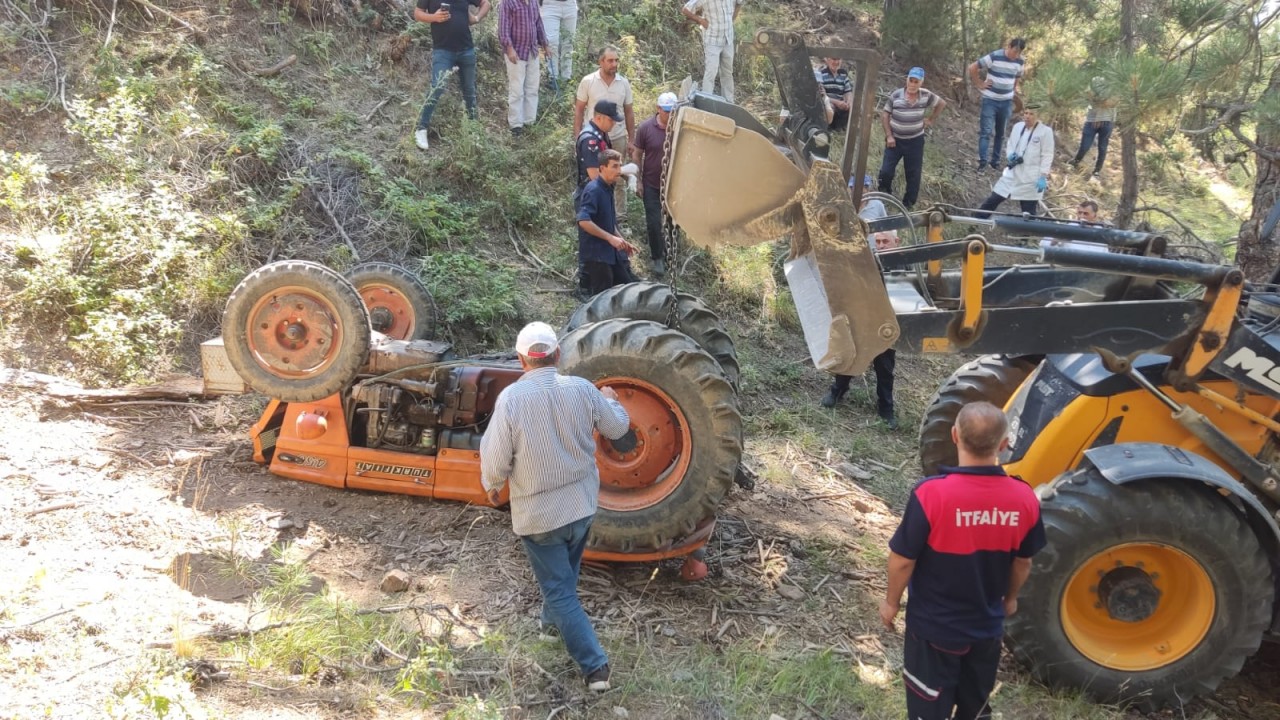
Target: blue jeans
point(911, 154)
point(556, 557)
point(995, 115)
point(1102, 130)
point(442, 61)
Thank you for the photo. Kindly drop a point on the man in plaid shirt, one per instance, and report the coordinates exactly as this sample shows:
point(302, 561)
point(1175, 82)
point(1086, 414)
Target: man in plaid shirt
point(716, 18)
point(521, 33)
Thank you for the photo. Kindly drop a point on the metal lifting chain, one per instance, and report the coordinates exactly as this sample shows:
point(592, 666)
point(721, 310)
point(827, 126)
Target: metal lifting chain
point(671, 247)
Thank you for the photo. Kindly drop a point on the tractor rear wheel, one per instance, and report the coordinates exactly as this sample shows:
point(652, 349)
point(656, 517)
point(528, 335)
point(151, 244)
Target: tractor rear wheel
point(652, 301)
point(400, 306)
point(994, 378)
point(1150, 593)
point(296, 331)
point(688, 429)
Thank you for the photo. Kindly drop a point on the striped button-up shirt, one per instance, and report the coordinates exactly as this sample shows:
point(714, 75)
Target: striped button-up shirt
point(541, 439)
point(906, 118)
point(719, 15)
point(1003, 73)
point(520, 27)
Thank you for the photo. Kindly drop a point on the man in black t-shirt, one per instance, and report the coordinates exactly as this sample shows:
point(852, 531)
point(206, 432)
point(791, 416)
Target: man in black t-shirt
point(451, 47)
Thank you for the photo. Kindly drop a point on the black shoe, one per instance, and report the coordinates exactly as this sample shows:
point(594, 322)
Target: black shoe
point(832, 397)
point(890, 420)
point(517, 131)
point(598, 680)
point(982, 165)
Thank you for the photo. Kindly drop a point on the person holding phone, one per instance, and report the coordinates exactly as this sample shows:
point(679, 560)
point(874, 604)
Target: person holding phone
point(451, 47)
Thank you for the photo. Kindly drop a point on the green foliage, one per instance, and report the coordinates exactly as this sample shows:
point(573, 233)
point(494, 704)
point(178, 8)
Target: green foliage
point(472, 291)
point(1147, 89)
point(1061, 85)
point(265, 141)
point(434, 219)
point(485, 171)
point(23, 179)
point(22, 98)
point(156, 688)
point(927, 31)
point(1220, 64)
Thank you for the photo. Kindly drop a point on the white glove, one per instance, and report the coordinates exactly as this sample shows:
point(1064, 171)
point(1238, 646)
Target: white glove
point(630, 169)
point(631, 183)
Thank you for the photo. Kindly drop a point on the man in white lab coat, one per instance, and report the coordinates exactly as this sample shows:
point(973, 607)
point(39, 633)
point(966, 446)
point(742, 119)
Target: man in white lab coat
point(1030, 159)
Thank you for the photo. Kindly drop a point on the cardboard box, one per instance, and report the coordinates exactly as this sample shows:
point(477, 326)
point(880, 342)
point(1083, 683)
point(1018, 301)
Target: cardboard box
point(219, 377)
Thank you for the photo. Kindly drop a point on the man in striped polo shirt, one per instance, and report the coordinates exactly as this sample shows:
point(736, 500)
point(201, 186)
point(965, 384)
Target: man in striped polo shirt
point(541, 440)
point(1003, 81)
point(904, 118)
point(838, 87)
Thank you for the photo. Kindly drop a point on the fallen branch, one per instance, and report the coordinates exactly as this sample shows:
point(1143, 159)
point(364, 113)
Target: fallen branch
point(51, 508)
point(355, 254)
point(222, 635)
point(105, 663)
point(376, 108)
point(37, 621)
point(161, 11)
point(277, 68)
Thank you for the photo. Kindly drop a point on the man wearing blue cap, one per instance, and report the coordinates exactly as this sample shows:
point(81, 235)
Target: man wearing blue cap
point(905, 116)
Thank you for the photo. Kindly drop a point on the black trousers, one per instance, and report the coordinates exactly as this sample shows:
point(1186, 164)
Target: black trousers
point(839, 120)
point(602, 276)
point(911, 154)
point(883, 365)
point(994, 200)
point(942, 678)
point(653, 221)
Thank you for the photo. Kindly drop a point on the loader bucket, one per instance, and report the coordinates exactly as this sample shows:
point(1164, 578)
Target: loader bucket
point(730, 185)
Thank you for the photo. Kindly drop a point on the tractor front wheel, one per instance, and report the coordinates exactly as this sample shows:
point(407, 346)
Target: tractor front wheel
point(688, 431)
point(296, 331)
point(1149, 593)
point(400, 306)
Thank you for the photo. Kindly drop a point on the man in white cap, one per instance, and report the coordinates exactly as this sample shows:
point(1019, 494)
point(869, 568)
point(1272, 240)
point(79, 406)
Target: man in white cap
point(648, 153)
point(541, 441)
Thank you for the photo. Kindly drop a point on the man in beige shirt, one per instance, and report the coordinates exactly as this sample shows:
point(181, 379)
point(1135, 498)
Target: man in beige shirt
point(606, 84)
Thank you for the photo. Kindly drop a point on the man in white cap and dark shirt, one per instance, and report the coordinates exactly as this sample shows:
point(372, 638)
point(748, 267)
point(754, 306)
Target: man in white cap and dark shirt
point(648, 153)
point(1030, 159)
point(541, 440)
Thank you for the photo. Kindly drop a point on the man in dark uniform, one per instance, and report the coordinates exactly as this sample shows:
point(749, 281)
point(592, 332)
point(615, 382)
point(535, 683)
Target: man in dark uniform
point(965, 546)
point(602, 252)
point(591, 142)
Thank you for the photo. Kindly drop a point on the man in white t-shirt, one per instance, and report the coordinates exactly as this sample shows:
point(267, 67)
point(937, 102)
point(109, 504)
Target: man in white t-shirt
point(607, 84)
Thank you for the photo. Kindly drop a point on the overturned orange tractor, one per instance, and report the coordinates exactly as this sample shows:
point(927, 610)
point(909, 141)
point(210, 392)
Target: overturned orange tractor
point(360, 401)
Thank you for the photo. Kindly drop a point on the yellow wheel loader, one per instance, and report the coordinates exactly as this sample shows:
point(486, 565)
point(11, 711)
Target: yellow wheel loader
point(1142, 390)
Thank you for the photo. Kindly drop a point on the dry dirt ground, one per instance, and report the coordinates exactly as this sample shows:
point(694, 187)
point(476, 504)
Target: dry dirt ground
point(116, 524)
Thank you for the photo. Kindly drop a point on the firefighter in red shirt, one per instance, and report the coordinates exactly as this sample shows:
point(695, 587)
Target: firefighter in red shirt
point(965, 547)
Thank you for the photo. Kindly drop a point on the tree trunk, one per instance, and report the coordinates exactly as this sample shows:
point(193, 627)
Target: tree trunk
point(1258, 252)
point(1128, 131)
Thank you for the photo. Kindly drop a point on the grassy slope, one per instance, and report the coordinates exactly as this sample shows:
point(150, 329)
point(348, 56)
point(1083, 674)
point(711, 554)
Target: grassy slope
point(478, 194)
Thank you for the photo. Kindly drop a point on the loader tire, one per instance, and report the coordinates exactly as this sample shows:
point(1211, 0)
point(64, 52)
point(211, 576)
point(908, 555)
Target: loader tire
point(296, 331)
point(1175, 561)
point(688, 428)
point(651, 301)
point(993, 378)
point(400, 306)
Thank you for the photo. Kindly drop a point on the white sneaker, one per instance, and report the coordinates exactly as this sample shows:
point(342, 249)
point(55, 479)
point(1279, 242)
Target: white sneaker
point(420, 137)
